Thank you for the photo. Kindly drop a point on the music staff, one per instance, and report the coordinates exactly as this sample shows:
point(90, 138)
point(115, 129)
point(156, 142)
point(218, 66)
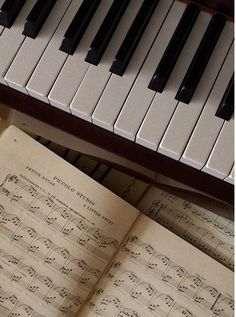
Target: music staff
point(58, 258)
point(111, 306)
point(159, 303)
point(44, 208)
point(169, 272)
point(29, 279)
point(11, 306)
point(183, 223)
point(47, 251)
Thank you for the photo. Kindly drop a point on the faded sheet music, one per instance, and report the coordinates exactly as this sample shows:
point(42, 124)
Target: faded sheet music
point(212, 234)
point(58, 230)
point(156, 273)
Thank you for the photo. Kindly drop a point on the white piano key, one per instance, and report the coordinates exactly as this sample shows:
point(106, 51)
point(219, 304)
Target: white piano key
point(112, 98)
point(164, 104)
point(230, 178)
point(11, 40)
point(185, 116)
point(221, 159)
point(32, 49)
point(140, 97)
point(52, 60)
point(208, 125)
point(75, 67)
point(84, 101)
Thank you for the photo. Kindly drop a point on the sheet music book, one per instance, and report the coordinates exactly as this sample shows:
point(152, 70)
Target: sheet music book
point(70, 247)
point(209, 232)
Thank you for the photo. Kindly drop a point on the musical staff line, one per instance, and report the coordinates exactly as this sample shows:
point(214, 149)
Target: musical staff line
point(10, 306)
point(41, 286)
point(76, 229)
point(44, 249)
point(111, 306)
point(176, 276)
point(187, 221)
point(156, 302)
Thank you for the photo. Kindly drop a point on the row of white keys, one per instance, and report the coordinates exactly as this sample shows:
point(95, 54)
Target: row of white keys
point(96, 77)
point(230, 178)
point(117, 89)
point(32, 49)
point(221, 159)
point(140, 97)
point(208, 126)
point(164, 104)
point(11, 40)
point(52, 59)
point(185, 117)
point(75, 67)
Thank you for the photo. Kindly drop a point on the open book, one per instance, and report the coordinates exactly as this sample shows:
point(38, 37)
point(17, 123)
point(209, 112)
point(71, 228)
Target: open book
point(70, 247)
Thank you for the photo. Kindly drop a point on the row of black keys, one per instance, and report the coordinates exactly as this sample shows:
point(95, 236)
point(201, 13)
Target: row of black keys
point(82, 18)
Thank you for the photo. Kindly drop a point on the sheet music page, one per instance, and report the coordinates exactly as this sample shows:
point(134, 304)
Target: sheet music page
point(157, 274)
point(58, 230)
point(212, 234)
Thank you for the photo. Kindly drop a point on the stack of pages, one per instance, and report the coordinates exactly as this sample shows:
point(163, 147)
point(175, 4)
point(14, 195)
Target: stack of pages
point(70, 247)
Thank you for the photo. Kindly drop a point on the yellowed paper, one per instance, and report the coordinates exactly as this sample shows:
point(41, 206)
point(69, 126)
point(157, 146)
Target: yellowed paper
point(157, 273)
point(58, 230)
point(38, 127)
point(209, 232)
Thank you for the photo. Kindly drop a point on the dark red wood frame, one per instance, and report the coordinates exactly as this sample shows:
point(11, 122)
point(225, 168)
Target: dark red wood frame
point(116, 144)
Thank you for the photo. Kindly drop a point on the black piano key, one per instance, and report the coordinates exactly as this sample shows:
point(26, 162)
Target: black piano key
point(201, 58)
point(78, 26)
point(174, 48)
point(226, 107)
point(37, 17)
point(133, 37)
point(106, 31)
point(9, 11)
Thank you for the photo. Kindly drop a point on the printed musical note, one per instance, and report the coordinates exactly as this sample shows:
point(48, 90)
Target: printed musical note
point(9, 224)
point(174, 274)
point(41, 206)
point(161, 303)
point(141, 291)
point(24, 274)
point(126, 277)
point(27, 197)
point(196, 225)
point(108, 306)
point(1, 211)
point(40, 286)
point(58, 217)
point(158, 263)
point(11, 306)
point(24, 236)
point(224, 306)
point(181, 311)
point(167, 271)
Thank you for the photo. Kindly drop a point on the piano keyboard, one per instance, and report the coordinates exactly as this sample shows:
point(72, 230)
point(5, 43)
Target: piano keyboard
point(158, 73)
